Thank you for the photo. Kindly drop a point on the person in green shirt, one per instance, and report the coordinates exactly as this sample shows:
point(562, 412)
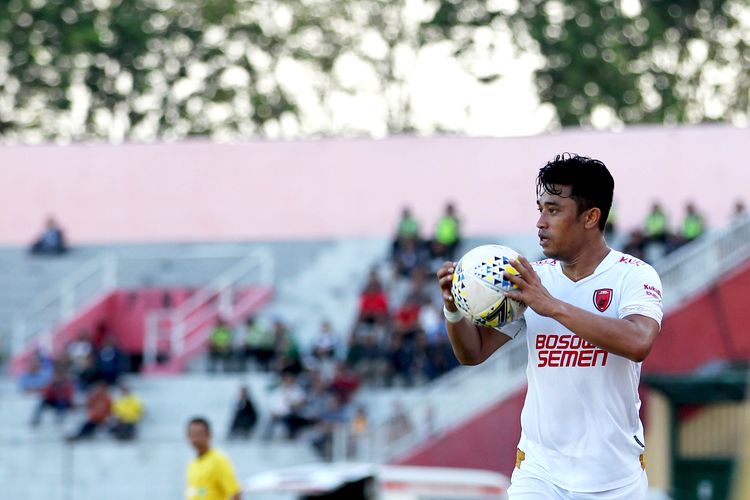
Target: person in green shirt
point(447, 234)
point(220, 346)
point(656, 227)
point(693, 225)
point(407, 231)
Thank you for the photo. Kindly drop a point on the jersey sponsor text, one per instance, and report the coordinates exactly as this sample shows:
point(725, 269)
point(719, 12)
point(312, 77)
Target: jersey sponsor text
point(568, 351)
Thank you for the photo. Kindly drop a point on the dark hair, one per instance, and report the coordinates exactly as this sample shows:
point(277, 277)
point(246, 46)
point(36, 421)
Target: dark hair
point(591, 183)
point(201, 421)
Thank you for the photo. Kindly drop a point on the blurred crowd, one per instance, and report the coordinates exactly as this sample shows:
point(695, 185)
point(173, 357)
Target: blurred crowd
point(86, 379)
point(659, 237)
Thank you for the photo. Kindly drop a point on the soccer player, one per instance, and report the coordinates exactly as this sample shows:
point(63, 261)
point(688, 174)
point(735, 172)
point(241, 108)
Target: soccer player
point(593, 316)
point(210, 476)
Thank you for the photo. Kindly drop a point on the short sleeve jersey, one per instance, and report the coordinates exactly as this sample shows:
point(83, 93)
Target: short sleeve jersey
point(580, 423)
point(211, 477)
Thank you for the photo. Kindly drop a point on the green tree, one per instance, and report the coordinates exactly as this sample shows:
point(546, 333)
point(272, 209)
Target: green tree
point(630, 61)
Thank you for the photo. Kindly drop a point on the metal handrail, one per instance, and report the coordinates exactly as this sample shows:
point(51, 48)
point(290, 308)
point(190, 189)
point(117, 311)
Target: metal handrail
point(195, 311)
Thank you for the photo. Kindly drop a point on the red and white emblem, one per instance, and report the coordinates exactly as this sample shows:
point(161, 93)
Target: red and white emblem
point(603, 298)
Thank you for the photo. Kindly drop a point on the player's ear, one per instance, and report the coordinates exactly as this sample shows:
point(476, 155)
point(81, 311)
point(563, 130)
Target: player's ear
point(592, 216)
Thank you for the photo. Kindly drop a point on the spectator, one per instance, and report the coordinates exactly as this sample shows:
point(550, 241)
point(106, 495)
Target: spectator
point(408, 230)
point(57, 395)
point(359, 434)
point(89, 374)
point(656, 225)
point(447, 235)
point(286, 350)
point(636, 245)
point(326, 344)
point(245, 416)
point(98, 408)
point(335, 416)
point(259, 344)
point(51, 241)
point(78, 351)
point(127, 412)
point(284, 404)
point(110, 362)
point(345, 383)
point(373, 302)
point(38, 374)
point(220, 347)
point(409, 257)
point(693, 225)
point(740, 213)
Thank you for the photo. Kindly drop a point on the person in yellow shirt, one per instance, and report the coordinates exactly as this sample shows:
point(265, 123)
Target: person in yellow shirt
point(210, 476)
point(127, 411)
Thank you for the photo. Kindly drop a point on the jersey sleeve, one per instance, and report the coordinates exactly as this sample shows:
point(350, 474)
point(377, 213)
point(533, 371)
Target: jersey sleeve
point(513, 329)
point(641, 294)
point(226, 479)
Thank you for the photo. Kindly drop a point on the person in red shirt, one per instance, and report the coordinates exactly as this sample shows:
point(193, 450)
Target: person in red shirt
point(373, 302)
point(56, 395)
point(98, 408)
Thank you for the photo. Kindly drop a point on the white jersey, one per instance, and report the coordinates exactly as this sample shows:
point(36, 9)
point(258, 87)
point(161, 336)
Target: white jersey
point(580, 424)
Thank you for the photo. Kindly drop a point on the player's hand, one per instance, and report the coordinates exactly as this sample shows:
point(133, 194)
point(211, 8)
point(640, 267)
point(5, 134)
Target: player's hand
point(445, 278)
point(530, 289)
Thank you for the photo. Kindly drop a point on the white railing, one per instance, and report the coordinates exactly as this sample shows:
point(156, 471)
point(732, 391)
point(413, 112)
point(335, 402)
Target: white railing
point(452, 398)
point(186, 328)
point(36, 325)
point(62, 301)
point(690, 269)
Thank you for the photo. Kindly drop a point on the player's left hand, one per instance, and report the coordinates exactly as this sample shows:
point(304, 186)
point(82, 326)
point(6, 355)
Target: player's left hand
point(530, 289)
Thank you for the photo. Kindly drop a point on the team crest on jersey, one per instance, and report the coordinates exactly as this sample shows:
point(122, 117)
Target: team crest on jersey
point(603, 298)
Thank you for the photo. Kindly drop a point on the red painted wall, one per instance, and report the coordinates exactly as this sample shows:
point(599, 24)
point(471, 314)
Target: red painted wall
point(714, 325)
point(485, 441)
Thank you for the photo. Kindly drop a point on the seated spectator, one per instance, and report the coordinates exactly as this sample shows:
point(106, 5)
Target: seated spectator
point(78, 350)
point(89, 374)
point(693, 225)
point(636, 245)
point(656, 226)
point(285, 403)
point(409, 257)
point(373, 302)
point(287, 355)
point(245, 416)
point(127, 412)
point(220, 347)
point(408, 229)
point(57, 396)
point(345, 383)
point(447, 235)
point(739, 214)
point(334, 417)
point(359, 430)
point(38, 374)
point(110, 362)
point(98, 408)
point(51, 241)
point(326, 343)
point(259, 344)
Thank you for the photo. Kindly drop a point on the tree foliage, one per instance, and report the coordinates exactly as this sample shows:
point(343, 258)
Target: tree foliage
point(652, 61)
point(144, 69)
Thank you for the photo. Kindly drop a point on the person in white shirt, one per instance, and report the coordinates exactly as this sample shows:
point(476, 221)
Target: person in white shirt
point(593, 316)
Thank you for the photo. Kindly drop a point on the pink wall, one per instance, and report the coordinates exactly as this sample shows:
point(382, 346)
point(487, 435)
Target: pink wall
point(310, 189)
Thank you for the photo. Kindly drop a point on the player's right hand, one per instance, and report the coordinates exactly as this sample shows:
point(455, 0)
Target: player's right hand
point(445, 278)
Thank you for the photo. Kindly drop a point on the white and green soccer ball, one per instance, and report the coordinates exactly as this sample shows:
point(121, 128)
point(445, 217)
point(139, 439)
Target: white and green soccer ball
point(479, 287)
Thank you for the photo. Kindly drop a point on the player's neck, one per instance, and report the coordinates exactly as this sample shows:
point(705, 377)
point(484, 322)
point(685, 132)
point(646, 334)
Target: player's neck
point(585, 262)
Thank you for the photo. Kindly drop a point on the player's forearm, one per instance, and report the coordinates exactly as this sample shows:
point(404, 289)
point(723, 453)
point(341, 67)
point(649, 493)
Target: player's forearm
point(466, 342)
point(614, 335)
point(473, 344)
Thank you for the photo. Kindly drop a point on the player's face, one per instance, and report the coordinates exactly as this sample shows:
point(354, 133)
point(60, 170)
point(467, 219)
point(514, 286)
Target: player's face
point(198, 436)
point(559, 226)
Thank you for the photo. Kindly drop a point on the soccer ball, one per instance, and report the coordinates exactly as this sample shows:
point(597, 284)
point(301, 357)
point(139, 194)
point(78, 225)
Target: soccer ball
point(479, 287)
